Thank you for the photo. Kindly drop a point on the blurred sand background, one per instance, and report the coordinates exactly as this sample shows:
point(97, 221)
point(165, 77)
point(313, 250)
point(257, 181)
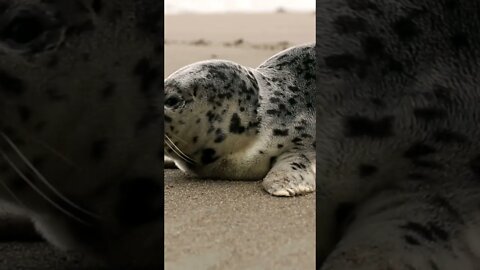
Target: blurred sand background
point(226, 224)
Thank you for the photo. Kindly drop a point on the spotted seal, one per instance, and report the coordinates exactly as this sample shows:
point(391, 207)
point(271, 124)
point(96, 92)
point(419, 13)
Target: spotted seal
point(225, 120)
point(397, 140)
point(80, 122)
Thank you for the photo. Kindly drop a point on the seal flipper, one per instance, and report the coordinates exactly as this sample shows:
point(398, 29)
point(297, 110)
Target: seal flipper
point(292, 174)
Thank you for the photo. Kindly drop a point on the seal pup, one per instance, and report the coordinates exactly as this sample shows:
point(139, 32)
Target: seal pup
point(224, 120)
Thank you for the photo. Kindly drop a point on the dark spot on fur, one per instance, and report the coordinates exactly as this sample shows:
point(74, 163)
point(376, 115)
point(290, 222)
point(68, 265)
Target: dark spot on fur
point(140, 202)
point(80, 28)
point(366, 170)
point(417, 176)
point(451, 4)
point(149, 14)
point(108, 90)
point(236, 125)
point(341, 61)
point(148, 118)
point(208, 156)
point(273, 112)
point(459, 40)
point(220, 136)
point(97, 6)
point(298, 165)
point(344, 216)
point(442, 93)
point(86, 57)
point(24, 113)
point(447, 136)
point(361, 5)
point(98, 149)
point(442, 203)
point(297, 140)
point(274, 100)
point(418, 149)
point(148, 74)
point(430, 232)
point(378, 102)
point(280, 132)
point(10, 85)
point(373, 46)
point(427, 164)
point(347, 24)
point(406, 29)
point(52, 61)
point(419, 229)
point(55, 95)
point(358, 126)
point(394, 66)
point(429, 114)
point(433, 265)
point(40, 126)
point(438, 232)
point(410, 240)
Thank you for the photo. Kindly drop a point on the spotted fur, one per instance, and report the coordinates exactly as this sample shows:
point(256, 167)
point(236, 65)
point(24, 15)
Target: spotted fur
point(398, 134)
point(236, 122)
point(80, 123)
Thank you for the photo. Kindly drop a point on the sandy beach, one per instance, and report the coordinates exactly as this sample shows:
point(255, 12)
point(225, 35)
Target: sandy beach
point(248, 39)
point(234, 224)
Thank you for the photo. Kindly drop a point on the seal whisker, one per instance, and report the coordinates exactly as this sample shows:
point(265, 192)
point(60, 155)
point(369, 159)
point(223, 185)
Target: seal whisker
point(43, 179)
point(177, 151)
point(178, 138)
point(39, 192)
point(55, 152)
point(169, 144)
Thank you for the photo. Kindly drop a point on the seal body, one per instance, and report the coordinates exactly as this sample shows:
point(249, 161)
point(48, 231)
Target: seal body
point(397, 136)
point(224, 120)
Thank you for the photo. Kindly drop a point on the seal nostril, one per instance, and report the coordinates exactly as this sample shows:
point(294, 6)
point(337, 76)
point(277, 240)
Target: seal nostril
point(23, 29)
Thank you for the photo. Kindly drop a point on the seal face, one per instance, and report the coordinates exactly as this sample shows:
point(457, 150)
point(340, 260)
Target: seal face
point(80, 122)
point(224, 120)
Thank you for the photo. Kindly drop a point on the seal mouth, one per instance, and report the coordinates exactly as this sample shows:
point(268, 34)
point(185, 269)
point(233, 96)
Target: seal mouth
point(171, 145)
